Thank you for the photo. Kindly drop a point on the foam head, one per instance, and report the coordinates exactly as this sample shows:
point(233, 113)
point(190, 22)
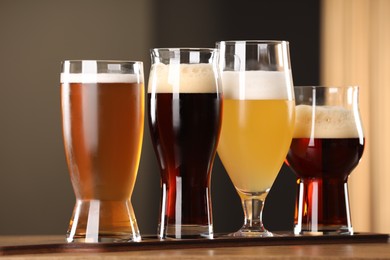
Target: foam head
point(100, 78)
point(257, 85)
point(329, 122)
point(182, 78)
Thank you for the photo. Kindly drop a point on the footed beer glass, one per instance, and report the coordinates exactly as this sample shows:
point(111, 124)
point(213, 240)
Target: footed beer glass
point(258, 121)
point(103, 123)
point(327, 145)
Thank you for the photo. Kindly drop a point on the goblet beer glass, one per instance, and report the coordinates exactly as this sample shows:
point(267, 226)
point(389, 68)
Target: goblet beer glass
point(103, 123)
point(327, 145)
point(185, 109)
point(257, 123)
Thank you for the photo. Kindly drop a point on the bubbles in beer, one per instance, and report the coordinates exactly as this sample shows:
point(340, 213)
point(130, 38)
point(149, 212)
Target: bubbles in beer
point(100, 78)
point(329, 122)
point(246, 85)
point(182, 78)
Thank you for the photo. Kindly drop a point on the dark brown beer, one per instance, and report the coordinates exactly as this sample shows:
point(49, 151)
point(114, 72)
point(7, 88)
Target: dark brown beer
point(322, 166)
point(185, 130)
point(103, 130)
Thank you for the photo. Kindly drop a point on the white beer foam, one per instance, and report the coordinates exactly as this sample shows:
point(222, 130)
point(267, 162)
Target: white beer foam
point(182, 78)
point(245, 85)
point(329, 122)
point(100, 78)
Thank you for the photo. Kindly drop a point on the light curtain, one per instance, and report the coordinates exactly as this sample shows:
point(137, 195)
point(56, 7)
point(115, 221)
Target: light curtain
point(355, 50)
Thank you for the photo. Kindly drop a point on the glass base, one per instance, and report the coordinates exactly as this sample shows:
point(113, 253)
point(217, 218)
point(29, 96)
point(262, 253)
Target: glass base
point(95, 221)
point(320, 213)
point(251, 233)
point(324, 230)
point(187, 232)
point(103, 238)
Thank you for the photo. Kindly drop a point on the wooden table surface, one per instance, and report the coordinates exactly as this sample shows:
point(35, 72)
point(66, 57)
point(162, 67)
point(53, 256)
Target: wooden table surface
point(299, 251)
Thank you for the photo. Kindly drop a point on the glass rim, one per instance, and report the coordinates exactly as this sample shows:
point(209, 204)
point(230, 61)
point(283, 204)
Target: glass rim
point(101, 61)
point(327, 87)
point(253, 42)
point(189, 49)
point(101, 71)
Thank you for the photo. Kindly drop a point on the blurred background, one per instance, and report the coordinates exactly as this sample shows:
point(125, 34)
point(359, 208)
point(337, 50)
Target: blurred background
point(334, 42)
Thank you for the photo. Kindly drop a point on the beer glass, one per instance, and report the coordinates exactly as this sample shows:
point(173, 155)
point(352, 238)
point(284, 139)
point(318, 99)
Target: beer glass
point(185, 108)
point(103, 123)
point(258, 121)
point(327, 145)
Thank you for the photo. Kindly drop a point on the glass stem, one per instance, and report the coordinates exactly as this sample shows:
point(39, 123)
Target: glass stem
point(253, 211)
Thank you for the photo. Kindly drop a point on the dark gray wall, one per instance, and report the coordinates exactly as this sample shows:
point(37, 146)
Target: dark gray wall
point(36, 196)
point(203, 22)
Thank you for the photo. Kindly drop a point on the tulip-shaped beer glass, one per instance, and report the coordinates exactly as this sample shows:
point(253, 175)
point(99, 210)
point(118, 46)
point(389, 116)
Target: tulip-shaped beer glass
point(258, 121)
point(103, 123)
point(327, 145)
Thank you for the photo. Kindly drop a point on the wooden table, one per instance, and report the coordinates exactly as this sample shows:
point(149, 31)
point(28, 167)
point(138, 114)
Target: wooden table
point(293, 250)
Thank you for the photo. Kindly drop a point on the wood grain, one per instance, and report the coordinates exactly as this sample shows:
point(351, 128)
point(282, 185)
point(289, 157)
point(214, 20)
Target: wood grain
point(57, 245)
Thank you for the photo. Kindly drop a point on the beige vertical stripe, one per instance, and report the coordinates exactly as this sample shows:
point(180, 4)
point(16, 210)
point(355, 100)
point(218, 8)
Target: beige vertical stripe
point(380, 113)
point(356, 51)
point(345, 60)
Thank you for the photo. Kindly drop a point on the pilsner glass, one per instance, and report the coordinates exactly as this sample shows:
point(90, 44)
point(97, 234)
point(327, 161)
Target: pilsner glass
point(327, 145)
point(185, 109)
point(258, 121)
point(103, 123)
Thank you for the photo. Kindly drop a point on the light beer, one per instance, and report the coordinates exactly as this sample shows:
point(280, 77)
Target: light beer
point(103, 120)
point(256, 129)
point(185, 120)
point(326, 147)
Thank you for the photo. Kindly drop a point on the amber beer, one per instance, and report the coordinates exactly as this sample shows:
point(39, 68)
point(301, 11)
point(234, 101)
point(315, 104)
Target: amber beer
point(103, 129)
point(323, 158)
point(185, 128)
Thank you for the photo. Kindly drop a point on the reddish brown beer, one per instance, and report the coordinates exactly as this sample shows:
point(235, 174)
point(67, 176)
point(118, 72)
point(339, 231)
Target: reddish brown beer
point(185, 115)
point(323, 166)
point(186, 146)
point(327, 145)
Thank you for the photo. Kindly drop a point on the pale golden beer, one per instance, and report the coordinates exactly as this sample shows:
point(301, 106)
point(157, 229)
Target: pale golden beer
point(258, 121)
point(250, 152)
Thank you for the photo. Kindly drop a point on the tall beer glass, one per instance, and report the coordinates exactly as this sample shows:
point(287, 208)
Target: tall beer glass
point(258, 121)
point(185, 108)
point(103, 123)
point(327, 145)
